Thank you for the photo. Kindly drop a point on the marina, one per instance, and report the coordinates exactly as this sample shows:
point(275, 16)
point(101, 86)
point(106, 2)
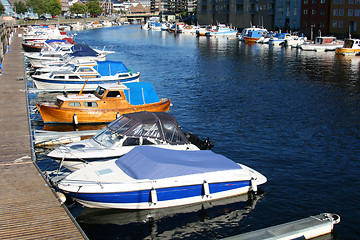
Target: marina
point(291, 115)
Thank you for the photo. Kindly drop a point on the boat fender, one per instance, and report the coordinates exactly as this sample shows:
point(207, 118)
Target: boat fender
point(75, 119)
point(117, 115)
point(61, 197)
point(206, 190)
point(153, 196)
point(253, 185)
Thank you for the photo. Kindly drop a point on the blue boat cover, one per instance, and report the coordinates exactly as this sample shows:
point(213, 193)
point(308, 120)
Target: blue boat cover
point(110, 68)
point(147, 162)
point(55, 40)
point(140, 93)
point(82, 50)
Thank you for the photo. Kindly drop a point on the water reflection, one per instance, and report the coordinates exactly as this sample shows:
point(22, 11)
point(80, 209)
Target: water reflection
point(207, 220)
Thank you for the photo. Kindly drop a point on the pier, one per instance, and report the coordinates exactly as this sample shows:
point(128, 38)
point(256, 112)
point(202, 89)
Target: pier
point(29, 208)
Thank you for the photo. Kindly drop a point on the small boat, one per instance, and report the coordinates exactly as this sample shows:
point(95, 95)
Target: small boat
point(150, 178)
point(323, 44)
point(221, 31)
point(107, 103)
point(279, 39)
point(33, 46)
point(203, 29)
point(351, 46)
point(254, 35)
point(245, 31)
point(176, 27)
point(72, 80)
point(59, 66)
point(159, 129)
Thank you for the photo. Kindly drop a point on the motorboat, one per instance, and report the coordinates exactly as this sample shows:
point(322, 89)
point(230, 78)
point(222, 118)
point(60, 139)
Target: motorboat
point(159, 129)
point(107, 103)
point(77, 26)
point(295, 41)
point(323, 44)
point(37, 45)
point(221, 31)
point(60, 66)
point(190, 29)
point(351, 46)
point(245, 31)
point(254, 35)
point(176, 27)
point(73, 79)
point(279, 39)
point(106, 23)
point(42, 33)
point(203, 29)
point(77, 52)
point(149, 177)
point(38, 59)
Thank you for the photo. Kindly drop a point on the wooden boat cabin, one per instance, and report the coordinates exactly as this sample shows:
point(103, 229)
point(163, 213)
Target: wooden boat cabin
point(107, 103)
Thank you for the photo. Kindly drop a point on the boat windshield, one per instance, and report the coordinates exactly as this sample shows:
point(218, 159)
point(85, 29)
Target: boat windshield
point(146, 130)
point(171, 133)
point(107, 138)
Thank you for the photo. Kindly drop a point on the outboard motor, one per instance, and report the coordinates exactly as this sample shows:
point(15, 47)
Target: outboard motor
point(201, 144)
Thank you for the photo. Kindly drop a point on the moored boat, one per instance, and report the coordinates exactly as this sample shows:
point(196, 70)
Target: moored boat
point(72, 80)
point(159, 129)
point(149, 178)
point(107, 103)
point(254, 35)
point(221, 31)
point(323, 44)
point(351, 46)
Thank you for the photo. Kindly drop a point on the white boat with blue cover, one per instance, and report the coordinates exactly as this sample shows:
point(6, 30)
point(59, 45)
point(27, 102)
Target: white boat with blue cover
point(149, 177)
point(221, 31)
point(73, 80)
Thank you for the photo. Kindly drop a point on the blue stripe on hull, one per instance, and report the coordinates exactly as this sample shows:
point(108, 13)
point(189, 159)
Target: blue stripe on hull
point(163, 194)
point(69, 82)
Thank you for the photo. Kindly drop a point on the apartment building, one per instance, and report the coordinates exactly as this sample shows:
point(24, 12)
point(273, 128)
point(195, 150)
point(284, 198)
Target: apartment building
point(315, 17)
point(344, 17)
point(288, 14)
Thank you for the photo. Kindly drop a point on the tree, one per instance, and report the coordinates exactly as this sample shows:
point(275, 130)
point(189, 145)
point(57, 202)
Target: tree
point(78, 8)
point(20, 7)
point(2, 9)
point(94, 8)
point(37, 6)
point(53, 7)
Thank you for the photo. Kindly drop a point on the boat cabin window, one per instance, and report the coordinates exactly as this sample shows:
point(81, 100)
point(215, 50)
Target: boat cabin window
point(147, 130)
point(171, 133)
point(131, 141)
point(123, 74)
point(147, 142)
point(74, 77)
point(99, 92)
point(112, 94)
point(85, 69)
point(59, 102)
point(90, 104)
point(349, 43)
point(107, 138)
point(59, 77)
point(74, 104)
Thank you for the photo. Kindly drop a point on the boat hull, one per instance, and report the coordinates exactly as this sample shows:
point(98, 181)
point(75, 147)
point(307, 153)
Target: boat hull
point(52, 114)
point(165, 197)
point(31, 48)
point(347, 51)
point(250, 39)
point(75, 85)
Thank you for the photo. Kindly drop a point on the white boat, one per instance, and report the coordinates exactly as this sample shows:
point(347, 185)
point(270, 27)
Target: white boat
point(190, 29)
point(159, 129)
point(74, 79)
point(64, 54)
point(203, 29)
point(106, 24)
point(42, 33)
point(60, 66)
point(221, 31)
point(323, 44)
point(150, 178)
point(77, 26)
point(279, 39)
point(295, 41)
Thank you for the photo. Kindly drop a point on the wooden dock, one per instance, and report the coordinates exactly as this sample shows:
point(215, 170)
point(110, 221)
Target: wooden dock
point(29, 209)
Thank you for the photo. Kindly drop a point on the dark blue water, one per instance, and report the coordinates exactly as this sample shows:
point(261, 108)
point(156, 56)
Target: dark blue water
point(293, 116)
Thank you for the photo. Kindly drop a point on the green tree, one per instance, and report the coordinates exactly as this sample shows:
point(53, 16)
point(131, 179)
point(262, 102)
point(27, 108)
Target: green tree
point(53, 7)
point(2, 9)
point(94, 7)
point(20, 7)
point(37, 6)
point(78, 8)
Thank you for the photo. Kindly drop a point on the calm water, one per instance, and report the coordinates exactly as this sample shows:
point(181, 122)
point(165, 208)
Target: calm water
point(293, 116)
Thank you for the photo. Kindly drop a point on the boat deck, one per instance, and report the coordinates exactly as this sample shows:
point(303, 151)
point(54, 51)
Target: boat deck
point(29, 209)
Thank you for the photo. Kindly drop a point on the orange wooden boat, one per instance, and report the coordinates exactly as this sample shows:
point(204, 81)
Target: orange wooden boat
point(107, 103)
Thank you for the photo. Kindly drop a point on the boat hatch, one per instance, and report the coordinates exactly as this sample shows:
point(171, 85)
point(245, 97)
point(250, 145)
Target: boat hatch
point(59, 102)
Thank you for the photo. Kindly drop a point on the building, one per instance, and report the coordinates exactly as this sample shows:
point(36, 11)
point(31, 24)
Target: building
point(288, 14)
point(315, 17)
point(238, 13)
point(65, 7)
point(344, 18)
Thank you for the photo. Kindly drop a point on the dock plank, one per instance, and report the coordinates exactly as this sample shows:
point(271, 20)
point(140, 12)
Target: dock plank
point(29, 209)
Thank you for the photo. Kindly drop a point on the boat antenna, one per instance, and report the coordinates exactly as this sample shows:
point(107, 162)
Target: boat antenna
point(82, 89)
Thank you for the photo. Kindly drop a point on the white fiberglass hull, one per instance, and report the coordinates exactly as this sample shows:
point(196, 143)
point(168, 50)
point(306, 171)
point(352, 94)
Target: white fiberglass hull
point(319, 47)
point(76, 85)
